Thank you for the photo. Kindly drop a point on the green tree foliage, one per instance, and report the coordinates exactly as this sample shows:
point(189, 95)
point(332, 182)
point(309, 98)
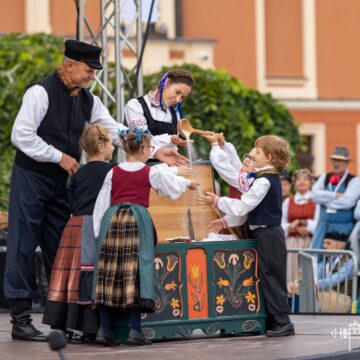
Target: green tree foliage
point(24, 59)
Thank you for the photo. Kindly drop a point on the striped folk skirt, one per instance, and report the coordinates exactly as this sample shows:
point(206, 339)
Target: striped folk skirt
point(117, 283)
point(69, 302)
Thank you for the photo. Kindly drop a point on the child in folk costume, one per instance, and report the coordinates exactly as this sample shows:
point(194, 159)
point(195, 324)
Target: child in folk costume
point(232, 170)
point(299, 220)
point(70, 291)
point(125, 271)
point(261, 207)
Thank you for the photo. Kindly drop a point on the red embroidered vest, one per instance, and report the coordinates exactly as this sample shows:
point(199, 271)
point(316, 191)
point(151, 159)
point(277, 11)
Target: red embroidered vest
point(131, 186)
point(301, 212)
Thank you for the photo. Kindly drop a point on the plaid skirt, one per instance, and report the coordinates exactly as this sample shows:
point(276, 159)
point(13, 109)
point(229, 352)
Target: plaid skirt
point(117, 283)
point(70, 290)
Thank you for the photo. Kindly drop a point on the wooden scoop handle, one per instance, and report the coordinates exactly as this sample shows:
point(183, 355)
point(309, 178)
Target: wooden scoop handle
point(200, 132)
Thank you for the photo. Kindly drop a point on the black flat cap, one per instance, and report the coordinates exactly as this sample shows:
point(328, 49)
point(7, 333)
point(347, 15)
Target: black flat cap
point(80, 51)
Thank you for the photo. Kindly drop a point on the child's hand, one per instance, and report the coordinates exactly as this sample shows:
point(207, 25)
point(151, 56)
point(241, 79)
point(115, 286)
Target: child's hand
point(178, 141)
point(185, 171)
point(207, 199)
point(193, 185)
point(211, 137)
point(216, 225)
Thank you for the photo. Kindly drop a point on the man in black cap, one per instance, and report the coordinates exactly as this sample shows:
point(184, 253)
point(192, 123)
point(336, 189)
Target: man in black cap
point(336, 193)
point(46, 135)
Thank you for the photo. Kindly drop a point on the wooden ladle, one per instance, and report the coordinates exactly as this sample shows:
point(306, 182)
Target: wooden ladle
point(185, 126)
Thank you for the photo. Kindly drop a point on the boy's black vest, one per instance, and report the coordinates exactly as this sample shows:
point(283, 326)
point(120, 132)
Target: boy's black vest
point(269, 211)
point(158, 127)
point(62, 125)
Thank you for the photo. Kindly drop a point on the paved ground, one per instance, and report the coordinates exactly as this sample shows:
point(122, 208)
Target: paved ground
point(313, 337)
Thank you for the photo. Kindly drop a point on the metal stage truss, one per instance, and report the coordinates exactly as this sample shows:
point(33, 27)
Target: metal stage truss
point(114, 34)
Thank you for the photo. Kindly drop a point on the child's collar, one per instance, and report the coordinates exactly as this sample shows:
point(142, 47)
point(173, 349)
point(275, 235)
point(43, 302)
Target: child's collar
point(268, 169)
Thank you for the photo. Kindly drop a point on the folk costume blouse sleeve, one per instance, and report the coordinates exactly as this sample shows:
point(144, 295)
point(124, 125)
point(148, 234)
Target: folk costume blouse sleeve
point(228, 166)
point(100, 116)
point(285, 216)
point(24, 135)
point(249, 200)
point(134, 115)
point(165, 183)
point(103, 202)
point(312, 223)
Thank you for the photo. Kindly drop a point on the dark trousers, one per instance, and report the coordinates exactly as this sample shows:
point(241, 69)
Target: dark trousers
point(38, 212)
point(272, 254)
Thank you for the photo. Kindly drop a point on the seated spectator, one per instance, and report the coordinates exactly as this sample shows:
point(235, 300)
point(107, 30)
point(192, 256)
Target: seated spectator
point(299, 220)
point(332, 275)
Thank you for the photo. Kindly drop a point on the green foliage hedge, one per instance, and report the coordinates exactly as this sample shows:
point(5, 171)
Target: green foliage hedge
point(218, 102)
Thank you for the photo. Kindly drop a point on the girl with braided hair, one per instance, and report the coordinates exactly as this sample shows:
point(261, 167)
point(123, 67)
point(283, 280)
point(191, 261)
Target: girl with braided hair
point(160, 110)
point(70, 290)
point(124, 276)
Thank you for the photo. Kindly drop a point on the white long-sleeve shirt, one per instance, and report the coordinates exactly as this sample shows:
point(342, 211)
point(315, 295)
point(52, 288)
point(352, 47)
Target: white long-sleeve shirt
point(34, 107)
point(249, 201)
point(163, 179)
point(32, 112)
point(299, 199)
point(328, 198)
point(229, 167)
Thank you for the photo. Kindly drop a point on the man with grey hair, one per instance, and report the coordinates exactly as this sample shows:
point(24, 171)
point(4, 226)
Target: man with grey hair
point(336, 193)
point(46, 135)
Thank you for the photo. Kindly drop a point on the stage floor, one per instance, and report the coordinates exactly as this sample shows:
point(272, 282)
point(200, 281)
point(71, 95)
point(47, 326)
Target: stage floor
point(313, 337)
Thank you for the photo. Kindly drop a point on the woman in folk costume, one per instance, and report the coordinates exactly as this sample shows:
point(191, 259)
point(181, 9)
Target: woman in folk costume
point(299, 219)
point(70, 291)
point(124, 277)
point(160, 110)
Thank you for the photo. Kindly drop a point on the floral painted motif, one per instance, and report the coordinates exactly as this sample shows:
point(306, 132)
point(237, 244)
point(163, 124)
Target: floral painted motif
point(172, 261)
point(219, 259)
point(171, 286)
point(233, 286)
point(174, 303)
point(220, 300)
point(249, 257)
point(223, 282)
point(165, 289)
point(250, 297)
point(248, 282)
point(195, 279)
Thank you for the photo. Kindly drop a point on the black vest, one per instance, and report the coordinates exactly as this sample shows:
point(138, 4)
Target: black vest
point(346, 181)
point(62, 125)
point(159, 127)
point(269, 211)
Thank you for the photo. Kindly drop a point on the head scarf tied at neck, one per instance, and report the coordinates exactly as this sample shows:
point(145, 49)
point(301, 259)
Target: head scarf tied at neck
point(162, 83)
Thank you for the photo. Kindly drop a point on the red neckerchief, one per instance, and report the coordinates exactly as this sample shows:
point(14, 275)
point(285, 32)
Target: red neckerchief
point(335, 178)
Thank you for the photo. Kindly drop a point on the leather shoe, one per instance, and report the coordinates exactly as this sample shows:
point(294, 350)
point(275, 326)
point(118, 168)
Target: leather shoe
point(27, 332)
point(137, 338)
point(281, 330)
point(107, 338)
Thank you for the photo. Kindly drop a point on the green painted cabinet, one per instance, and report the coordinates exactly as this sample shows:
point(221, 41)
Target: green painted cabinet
point(210, 286)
